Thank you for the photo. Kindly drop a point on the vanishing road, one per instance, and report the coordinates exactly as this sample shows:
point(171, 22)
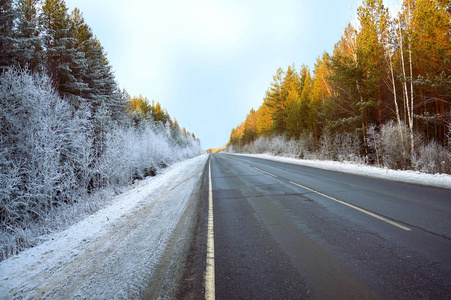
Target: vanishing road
point(284, 231)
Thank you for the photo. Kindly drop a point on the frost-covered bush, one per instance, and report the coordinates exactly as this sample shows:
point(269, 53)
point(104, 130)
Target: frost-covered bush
point(37, 137)
point(340, 147)
point(134, 154)
point(35, 168)
point(276, 145)
point(306, 147)
point(57, 162)
point(433, 158)
point(279, 145)
point(347, 147)
point(392, 149)
point(387, 146)
point(291, 148)
point(374, 142)
point(327, 147)
point(260, 145)
point(395, 141)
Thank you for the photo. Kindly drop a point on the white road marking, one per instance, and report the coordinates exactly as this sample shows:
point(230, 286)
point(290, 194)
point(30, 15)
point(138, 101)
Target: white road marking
point(265, 172)
point(210, 271)
point(355, 207)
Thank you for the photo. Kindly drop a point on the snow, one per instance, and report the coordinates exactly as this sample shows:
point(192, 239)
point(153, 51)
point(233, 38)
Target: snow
point(113, 253)
point(413, 177)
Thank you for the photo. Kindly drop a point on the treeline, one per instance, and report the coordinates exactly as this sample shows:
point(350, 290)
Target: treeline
point(216, 150)
point(387, 72)
point(68, 133)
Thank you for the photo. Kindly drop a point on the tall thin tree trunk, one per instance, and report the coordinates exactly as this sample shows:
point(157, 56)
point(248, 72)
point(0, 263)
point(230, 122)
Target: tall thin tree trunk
point(404, 82)
point(411, 90)
point(395, 100)
point(407, 102)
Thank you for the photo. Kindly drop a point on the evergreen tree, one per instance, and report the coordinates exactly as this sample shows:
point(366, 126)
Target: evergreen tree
point(371, 38)
point(159, 114)
point(264, 121)
point(292, 87)
point(292, 83)
point(250, 127)
point(305, 102)
point(99, 84)
point(7, 39)
point(321, 90)
point(430, 34)
point(294, 117)
point(103, 89)
point(277, 103)
point(345, 109)
point(61, 54)
point(29, 43)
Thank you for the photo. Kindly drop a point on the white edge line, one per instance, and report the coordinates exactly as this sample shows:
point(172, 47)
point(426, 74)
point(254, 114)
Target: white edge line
point(265, 172)
point(210, 269)
point(355, 207)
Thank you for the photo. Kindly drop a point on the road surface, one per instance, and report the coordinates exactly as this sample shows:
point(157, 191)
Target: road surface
point(284, 231)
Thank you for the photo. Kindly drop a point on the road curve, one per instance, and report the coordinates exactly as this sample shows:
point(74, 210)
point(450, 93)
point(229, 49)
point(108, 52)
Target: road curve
point(284, 231)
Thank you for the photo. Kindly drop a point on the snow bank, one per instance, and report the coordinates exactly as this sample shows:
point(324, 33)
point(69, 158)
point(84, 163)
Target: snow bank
point(414, 177)
point(111, 254)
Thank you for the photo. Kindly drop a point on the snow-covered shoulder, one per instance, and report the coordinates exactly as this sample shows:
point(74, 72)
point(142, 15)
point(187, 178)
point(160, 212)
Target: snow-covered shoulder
point(413, 177)
point(113, 253)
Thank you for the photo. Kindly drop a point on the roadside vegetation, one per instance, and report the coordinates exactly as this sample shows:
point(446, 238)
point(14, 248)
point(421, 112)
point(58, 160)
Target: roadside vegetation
point(216, 150)
point(382, 97)
point(70, 138)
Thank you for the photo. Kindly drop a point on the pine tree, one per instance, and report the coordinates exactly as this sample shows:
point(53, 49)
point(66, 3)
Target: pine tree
point(99, 87)
point(305, 101)
point(250, 127)
point(29, 43)
point(7, 38)
point(294, 116)
point(159, 114)
point(430, 35)
point(292, 87)
point(264, 121)
point(103, 89)
point(345, 109)
point(321, 90)
point(276, 103)
point(61, 55)
point(371, 38)
point(85, 43)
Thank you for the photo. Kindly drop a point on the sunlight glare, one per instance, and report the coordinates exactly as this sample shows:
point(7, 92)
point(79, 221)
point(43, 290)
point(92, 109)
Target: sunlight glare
point(215, 24)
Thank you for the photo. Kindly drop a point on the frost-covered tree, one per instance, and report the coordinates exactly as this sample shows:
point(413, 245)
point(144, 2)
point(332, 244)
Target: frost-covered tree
point(65, 131)
point(35, 132)
point(50, 176)
point(82, 155)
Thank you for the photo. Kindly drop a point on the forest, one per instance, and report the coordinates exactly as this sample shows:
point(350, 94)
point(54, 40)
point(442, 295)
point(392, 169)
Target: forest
point(70, 138)
point(382, 97)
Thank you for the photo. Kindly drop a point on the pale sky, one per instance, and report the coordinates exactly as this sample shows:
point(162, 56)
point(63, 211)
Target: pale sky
point(209, 62)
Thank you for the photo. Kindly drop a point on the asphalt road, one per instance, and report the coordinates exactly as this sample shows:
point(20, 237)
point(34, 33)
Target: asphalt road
point(284, 231)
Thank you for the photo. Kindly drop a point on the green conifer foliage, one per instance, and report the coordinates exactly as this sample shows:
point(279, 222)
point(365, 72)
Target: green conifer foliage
point(7, 39)
point(29, 43)
point(60, 51)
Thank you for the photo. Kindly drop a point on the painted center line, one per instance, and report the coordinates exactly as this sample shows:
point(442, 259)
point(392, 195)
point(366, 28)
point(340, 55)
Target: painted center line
point(355, 207)
point(210, 270)
point(265, 172)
